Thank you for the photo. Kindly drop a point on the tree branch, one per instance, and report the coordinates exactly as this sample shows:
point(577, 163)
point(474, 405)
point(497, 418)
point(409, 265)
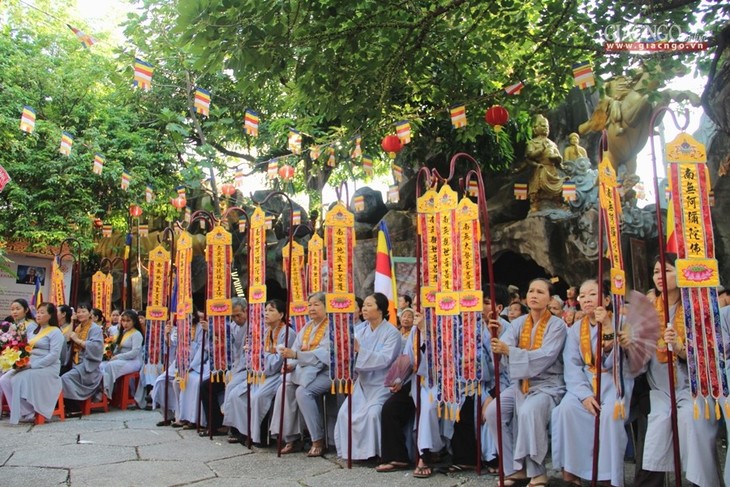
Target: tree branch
point(220, 148)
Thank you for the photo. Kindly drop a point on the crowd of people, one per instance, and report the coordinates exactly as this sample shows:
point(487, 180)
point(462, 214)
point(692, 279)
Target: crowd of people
point(546, 346)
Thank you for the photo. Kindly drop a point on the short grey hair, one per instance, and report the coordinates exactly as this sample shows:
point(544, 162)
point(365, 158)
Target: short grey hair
point(319, 296)
point(239, 302)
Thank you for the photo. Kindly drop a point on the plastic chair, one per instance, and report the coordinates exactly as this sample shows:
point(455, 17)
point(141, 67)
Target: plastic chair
point(60, 411)
point(123, 395)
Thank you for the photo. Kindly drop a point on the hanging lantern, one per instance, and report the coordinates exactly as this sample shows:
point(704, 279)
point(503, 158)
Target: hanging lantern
point(179, 202)
point(98, 223)
point(228, 189)
point(135, 211)
point(497, 116)
point(392, 145)
point(286, 172)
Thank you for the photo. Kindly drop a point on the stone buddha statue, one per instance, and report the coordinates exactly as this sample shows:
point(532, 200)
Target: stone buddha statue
point(545, 188)
point(573, 151)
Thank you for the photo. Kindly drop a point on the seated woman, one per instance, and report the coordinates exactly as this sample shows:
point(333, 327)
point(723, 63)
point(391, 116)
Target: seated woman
point(35, 387)
point(276, 337)
point(82, 381)
point(573, 420)
point(531, 351)
point(239, 369)
point(309, 361)
point(22, 316)
point(97, 316)
point(65, 324)
point(377, 344)
point(189, 394)
point(127, 356)
point(113, 327)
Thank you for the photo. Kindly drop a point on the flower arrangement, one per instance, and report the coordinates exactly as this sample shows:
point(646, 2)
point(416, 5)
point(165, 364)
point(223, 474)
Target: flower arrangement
point(109, 344)
point(14, 350)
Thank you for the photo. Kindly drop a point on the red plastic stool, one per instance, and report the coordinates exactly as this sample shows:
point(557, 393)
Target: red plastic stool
point(4, 406)
point(60, 411)
point(89, 404)
point(123, 396)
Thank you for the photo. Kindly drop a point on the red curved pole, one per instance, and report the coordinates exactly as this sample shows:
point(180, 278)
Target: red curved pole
point(665, 298)
point(168, 234)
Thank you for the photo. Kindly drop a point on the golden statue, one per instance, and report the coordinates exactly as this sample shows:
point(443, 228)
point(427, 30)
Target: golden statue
point(545, 188)
point(573, 151)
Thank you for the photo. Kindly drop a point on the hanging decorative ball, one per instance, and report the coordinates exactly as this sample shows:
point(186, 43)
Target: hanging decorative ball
point(497, 116)
point(392, 145)
point(135, 211)
point(286, 172)
point(228, 189)
point(179, 202)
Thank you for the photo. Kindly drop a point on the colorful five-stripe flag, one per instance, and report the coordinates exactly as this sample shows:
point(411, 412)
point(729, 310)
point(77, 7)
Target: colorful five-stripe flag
point(27, 120)
point(515, 88)
point(583, 75)
point(143, 74)
point(85, 39)
point(384, 270)
point(202, 101)
point(67, 140)
point(251, 123)
point(458, 116)
point(98, 163)
point(403, 130)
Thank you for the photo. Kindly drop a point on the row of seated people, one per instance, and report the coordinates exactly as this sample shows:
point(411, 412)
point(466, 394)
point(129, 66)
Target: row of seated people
point(68, 359)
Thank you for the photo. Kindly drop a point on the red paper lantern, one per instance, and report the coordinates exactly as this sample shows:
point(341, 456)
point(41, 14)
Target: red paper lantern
point(179, 202)
point(497, 116)
point(98, 223)
point(286, 172)
point(228, 189)
point(135, 211)
point(392, 145)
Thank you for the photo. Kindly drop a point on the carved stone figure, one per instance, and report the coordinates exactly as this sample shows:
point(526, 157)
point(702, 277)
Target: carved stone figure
point(574, 150)
point(545, 188)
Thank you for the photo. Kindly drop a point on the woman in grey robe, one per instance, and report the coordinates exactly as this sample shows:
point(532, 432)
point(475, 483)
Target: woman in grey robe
point(35, 387)
point(189, 393)
point(127, 356)
point(533, 358)
point(82, 381)
point(65, 324)
point(262, 395)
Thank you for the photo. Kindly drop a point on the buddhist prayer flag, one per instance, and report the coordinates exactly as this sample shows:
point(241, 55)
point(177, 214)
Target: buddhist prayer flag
point(314, 152)
point(397, 173)
point(85, 39)
point(27, 120)
point(569, 191)
point(144, 230)
point(384, 270)
point(67, 140)
point(149, 194)
point(357, 151)
point(37, 297)
point(393, 193)
point(520, 191)
point(367, 164)
point(98, 163)
point(403, 130)
point(251, 123)
point(181, 192)
point(272, 169)
point(126, 178)
point(458, 116)
point(359, 203)
point(4, 178)
point(296, 217)
point(331, 162)
point(712, 198)
point(269, 222)
point(239, 178)
point(202, 101)
point(106, 230)
point(142, 74)
point(515, 88)
point(295, 141)
point(473, 189)
point(583, 75)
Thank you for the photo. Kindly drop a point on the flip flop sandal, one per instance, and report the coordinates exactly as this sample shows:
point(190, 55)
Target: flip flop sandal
point(388, 467)
point(422, 472)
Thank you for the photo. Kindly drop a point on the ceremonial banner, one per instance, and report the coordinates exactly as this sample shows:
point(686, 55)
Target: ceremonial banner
point(520, 190)
point(27, 120)
point(67, 141)
point(314, 264)
point(367, 164)
point(149, 194)
point(183, 304)
point(126, 178)
point(298, 307)
point(85, 39)
point(569, 191)
point(331, 162)
point(357, 151)
point(583, 75)
point(358, 202)
point(427, 208)
point(610, 205)
point(393, 193)
point(340, 245)
point(98, 163)
point(397, 173)
point(473, 189)
point(240, 178)
point(403, 130)
point(202, 101)
point(106, 230)
point(257, 296)
point(101, 292)
point(58, 286)
point(458, 116)
point(251, 123)
point(697, 272)
point(272, 170)
point(158, 294)
point(515, 88)
point(295, 141)
point(142, 74)
point(314, 152)
point(219, 256)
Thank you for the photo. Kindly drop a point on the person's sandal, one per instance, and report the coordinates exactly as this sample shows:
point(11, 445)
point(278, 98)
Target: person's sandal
point(387, 467)
point(422, 472)
point(288, 448)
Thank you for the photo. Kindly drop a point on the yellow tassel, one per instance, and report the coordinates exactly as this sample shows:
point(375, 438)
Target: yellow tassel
point(696, 410)
point(458, 415)
point(623, 409)
point(438, 409)
point(718, 414)
point(616, 411)
point(430, 399)
point(479, 388)
point(340, 387)
point(707, 410)
point(727, 408)
point(332, 389)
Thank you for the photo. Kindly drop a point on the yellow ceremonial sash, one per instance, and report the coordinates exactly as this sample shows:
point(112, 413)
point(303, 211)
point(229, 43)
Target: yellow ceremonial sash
point(526, 338)
point(127, 335)
point(306, 345)
point(677, 323)
point(44, 331)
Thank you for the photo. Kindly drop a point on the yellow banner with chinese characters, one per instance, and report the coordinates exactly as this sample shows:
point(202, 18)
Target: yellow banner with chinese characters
point(298, 304)
point(340, 242)
point(257, 257)
point(183, 264)
point(219, 256)
point(314, 263)
point(101, 285)
point(446, 231)
point(610, 203)
point(157, 287)
point(58, 288)
point(467, 217)
point(427, 233)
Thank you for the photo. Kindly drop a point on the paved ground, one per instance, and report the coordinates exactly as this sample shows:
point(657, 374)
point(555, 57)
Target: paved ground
point(125, 448)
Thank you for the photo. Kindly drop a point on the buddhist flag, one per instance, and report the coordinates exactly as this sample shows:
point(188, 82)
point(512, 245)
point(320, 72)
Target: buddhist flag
point(473, 189)
point(4, 178)
point(515, 88)
point(521, 191)
point(393, 193)
point(239, 178)
point(357, 151)
point(269, 222)
point(403, 130)
point(397, 173)
point(37, 297)
point(296, 217)
point(98, 163)
point(149, 194)
point(367, 164)
point(202, 101)
point(27, 120)
point(251, 123)
point(126, 178)
point(359, 203)
point(144, 230)
point(85, 39)
point(384, 270)
point(331, 161)
point(106, 230)
point(142, 74)
point(295, 141)
point(67, 140)
point(569, 191)
point(458, 116)
point(583, 75)
point(181, 192)
point(272, 169)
